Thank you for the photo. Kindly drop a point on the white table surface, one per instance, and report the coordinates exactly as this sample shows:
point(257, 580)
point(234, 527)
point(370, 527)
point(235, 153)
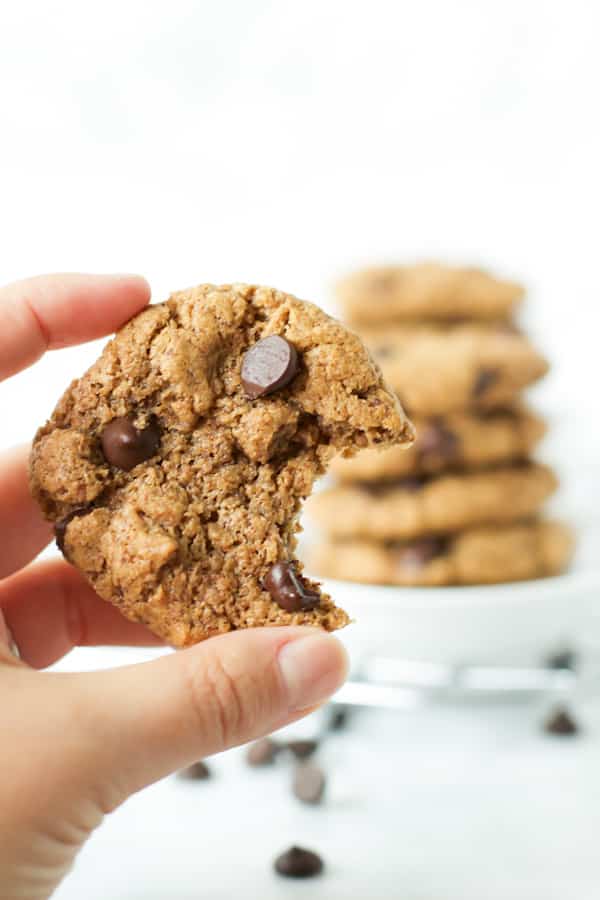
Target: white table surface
point(440, 803)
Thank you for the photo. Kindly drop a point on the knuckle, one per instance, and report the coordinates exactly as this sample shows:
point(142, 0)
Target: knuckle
point(217, 700)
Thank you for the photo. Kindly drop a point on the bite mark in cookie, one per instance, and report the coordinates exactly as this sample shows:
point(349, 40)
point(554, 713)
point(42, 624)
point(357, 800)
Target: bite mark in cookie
point(174, 469)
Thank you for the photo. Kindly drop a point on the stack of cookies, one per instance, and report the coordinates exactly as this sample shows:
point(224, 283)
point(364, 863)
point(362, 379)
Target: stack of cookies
point(462, 505)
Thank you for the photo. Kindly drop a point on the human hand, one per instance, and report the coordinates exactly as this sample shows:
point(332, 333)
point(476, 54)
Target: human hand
point(75, 746)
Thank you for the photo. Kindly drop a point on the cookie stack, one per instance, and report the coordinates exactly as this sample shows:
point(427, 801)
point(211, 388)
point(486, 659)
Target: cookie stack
point(462, 505)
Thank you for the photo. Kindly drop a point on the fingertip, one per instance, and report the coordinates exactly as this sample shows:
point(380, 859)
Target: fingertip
point(313, 666)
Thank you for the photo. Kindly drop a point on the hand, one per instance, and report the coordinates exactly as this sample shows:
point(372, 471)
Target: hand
point(75, 746)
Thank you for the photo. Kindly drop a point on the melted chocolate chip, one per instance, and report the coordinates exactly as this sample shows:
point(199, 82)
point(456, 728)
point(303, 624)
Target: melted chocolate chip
point(198, 771)
point(268, 366)
point(288, 590)
point(561, 722)
point(436, 442)
point(298, 863)
point(302, 749)
point(263, 752)
point(414, 556)
point(411, 484)
point(309, 783)
point(484, 380)
point(125, 446)
point(60, 528)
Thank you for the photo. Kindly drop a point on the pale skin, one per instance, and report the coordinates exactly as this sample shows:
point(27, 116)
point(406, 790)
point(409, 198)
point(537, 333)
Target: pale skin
point(106, 735)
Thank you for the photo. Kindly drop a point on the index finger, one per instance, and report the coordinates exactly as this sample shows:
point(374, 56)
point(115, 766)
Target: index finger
point(52, 311)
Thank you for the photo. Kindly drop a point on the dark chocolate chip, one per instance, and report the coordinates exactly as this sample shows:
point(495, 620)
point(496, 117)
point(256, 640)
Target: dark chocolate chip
point(288, 590)
point(268, 366)
point(198, 771)
point(414, 556)
point(338, 718)
point(60, 528)
point(485, 379)
point(302, 749)
point(561, 722)
point(263, 752)
point(298, 863)
point(309, 783)
point(562, 659)
point(411, 484)
point(436, 442)
point(125, 446)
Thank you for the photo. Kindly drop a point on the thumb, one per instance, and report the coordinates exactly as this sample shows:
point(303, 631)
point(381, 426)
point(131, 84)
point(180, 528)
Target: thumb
point(142, 722)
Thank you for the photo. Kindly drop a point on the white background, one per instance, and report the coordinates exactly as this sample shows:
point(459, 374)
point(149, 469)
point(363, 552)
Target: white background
point(284, 142)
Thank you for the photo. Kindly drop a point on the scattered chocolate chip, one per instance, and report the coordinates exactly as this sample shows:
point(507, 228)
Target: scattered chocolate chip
point(125, 446)
point(298, 863)
point(562, 659)
point(338, 718)
point(263, 752)
point(561, 722)
point(414, 556)
point(436, 441)
point(60, 528)
point(268, 366)
point(309, 783)
point(302, 749)
point(484, 380)
point(288, 590)
point(198, 771)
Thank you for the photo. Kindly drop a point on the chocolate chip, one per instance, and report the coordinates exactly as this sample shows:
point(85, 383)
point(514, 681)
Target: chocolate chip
point(198, 771)
point(414, 556)
point(60, 528)
point(288, 590)
point(263, 752)
point(411, 484)
point(436, 442)
point(561, 722)
point(302, 749)
point(562, 659)
point(309, 783)
point(338, 718)
point(484, 380)
point(298, 863)
point(125, 446)
point(268, 366)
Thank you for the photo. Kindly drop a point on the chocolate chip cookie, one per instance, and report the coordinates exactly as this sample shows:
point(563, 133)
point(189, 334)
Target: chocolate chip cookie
point(458, 440)
point(468, 367)
point(426, 291)
point(175, 467)
point(475, 556)
point(412, 507)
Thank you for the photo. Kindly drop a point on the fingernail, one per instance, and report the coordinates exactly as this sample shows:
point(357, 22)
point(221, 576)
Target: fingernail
point(312, 668)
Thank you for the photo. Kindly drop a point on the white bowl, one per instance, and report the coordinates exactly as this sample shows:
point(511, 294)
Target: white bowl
point(516, 623)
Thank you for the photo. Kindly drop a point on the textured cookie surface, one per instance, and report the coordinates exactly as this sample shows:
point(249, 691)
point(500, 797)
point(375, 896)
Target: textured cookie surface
point(175, 467)
point(476, 556)
point(415, 507)
point(466, 368)
point(458, 440)
point(426, 291)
